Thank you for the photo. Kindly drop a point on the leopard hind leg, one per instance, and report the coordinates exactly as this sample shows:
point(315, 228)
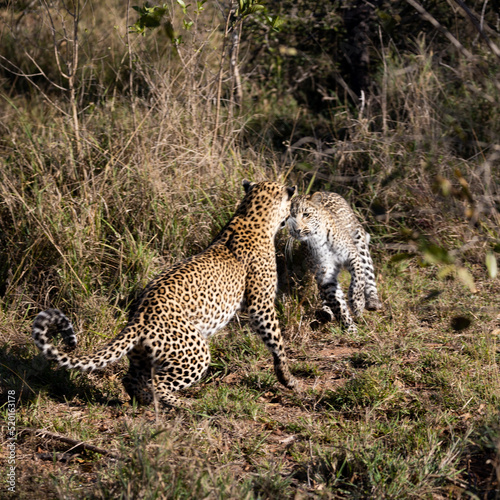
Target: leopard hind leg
point(179, 363)
point(137, 383)
point(357, 286)
point(140, 387)
point(362, 241)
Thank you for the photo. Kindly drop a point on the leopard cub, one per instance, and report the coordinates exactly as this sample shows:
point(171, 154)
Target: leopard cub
point(334, 238)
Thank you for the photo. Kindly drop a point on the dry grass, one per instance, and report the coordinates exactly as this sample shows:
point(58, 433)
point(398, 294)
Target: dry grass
point(405, 408)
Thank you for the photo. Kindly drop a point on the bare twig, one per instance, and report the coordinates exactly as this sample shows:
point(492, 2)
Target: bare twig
point(72, 64)
point(384, 85)
point(74, 67)
point(131, 67)
point(42, 73)
point(54, 40)
point(15, 70)
point(440, 27)
point(479, 28)
point(233, 59)
point(221, 69)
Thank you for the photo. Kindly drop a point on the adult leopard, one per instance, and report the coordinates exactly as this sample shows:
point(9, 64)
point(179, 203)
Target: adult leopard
point(166, 338)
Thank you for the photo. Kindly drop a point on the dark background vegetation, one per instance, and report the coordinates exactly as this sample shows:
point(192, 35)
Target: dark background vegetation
point(122, 152)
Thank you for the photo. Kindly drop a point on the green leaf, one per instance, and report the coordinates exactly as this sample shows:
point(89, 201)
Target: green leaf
point(255, 8)
point(169, 31)
point(277, 23)
point(434, 254)
point(149, 17)
point(401, 256)
point(491, 265)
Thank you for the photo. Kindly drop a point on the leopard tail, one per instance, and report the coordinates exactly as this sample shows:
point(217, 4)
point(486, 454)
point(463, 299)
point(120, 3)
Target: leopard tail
point(52, 321)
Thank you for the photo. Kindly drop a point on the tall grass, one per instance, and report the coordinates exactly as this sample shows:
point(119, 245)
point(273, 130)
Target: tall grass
point(149, 172)
point(149, 184)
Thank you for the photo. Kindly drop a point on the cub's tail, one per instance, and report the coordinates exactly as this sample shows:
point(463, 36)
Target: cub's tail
point(52, 321)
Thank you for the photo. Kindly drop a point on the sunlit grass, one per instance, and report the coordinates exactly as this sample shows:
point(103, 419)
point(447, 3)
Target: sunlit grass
point(407, 407)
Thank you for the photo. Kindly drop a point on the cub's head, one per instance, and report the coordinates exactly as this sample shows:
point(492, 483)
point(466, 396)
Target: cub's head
point(266, 203)
point(306, 216)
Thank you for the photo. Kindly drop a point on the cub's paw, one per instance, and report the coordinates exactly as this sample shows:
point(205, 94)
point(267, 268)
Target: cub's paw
point(352, 328)
point(373, 303)
point(324, 315)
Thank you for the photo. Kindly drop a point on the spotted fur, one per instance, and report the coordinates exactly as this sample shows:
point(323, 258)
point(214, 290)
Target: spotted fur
point(334, 238)
point(166, 338)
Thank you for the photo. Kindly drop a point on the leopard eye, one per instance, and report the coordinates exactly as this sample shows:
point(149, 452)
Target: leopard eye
point(306, 215)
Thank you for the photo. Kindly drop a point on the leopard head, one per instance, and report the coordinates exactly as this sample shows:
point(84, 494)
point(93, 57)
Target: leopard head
point(267, 203)
point(306, 214)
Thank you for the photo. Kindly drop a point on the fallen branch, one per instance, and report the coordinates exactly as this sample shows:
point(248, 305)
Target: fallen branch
point(73, 442)
point(428, 17)
point(479, 29)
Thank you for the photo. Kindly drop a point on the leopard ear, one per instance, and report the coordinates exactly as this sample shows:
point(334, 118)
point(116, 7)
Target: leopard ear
point(316, 198)
point(247, 185)
point(291, 191)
